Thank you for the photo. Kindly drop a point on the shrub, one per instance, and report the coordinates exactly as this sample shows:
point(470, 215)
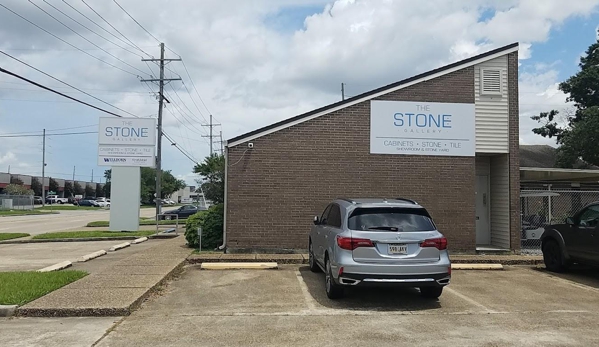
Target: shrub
point(211, 222)
point(191, 228)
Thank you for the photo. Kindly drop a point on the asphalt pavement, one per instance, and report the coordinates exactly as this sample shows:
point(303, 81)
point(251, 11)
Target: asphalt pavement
point(519, 306)
point(66, 220)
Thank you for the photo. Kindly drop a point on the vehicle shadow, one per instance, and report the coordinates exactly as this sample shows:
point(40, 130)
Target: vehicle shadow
point(581, 274)
point(372, 299)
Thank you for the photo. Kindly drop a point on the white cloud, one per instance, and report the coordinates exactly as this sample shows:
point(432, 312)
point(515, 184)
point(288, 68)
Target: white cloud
point(250, 74)
point(7, 157)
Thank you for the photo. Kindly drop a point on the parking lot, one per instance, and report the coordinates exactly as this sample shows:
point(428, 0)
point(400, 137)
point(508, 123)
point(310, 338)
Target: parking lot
point(520, 306)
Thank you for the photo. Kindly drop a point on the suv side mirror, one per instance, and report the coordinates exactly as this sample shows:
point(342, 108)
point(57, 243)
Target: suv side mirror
point(569, 221)
point(316, 220)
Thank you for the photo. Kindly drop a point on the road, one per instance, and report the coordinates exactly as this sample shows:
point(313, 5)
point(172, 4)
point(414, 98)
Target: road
point(66, 220)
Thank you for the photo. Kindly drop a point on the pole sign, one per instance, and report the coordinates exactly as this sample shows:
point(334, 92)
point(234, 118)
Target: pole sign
point(422, 128)
point(127, 142)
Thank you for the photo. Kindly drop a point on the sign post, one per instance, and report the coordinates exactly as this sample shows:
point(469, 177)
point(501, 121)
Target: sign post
point(126, 144)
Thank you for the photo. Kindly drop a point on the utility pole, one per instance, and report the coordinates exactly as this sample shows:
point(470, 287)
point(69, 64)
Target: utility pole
point(222, 150)
point(44, 169)
point(211, 125)
point(92, 175)
point(73, 174)
point(9, 169)
point(342, 91)
point(161, 99)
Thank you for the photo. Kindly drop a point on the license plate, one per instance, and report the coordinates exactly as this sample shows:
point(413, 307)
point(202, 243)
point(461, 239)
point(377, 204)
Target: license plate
point(398, 249)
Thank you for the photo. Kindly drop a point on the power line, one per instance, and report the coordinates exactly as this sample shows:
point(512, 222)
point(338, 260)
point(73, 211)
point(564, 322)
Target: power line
point(183, 102)
point(68, 43)
point(57, 92)
point(179, 148)
point(65, 83)
point(107, 22)
point(194, 87)
point(58, 134)
point(71, 128)
point(86, 39)
point(141, 26)
point(76, 21)
point(61, 87)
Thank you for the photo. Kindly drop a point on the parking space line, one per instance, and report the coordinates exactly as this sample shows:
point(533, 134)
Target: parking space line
point(469, 300)
point(304, 288)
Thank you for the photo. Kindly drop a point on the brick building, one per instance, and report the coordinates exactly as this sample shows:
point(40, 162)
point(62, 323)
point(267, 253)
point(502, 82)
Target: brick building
point(447, 138)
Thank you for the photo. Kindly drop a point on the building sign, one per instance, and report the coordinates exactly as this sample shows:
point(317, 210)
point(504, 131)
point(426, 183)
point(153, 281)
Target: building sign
point(422, 128)
point(127, 142)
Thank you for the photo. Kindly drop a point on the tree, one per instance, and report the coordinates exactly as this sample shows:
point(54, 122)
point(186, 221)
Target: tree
point(53, 185)
point(68, 189)
point(16, 180)
point(78, 189)
point(212, 171)
point(17, 189)
point(36, 186)
point(89, 190)
point(576, 133)
point(107, 176)
point(99, 190)
point(170, 183)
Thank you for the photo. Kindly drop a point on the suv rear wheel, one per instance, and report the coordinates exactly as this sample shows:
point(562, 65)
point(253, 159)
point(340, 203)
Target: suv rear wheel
point(431, 292)
point(334, 290)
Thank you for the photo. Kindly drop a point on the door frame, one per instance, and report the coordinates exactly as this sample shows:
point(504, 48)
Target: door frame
point(488, 208)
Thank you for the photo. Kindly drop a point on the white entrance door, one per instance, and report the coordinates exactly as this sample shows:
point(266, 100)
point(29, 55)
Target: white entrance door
point(483, 232)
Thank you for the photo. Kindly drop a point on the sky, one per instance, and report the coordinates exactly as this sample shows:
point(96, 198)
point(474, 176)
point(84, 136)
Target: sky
point(251, 63)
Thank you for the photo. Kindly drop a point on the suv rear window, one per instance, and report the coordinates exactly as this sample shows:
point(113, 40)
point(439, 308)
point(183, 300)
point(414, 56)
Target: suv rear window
point(390, 219)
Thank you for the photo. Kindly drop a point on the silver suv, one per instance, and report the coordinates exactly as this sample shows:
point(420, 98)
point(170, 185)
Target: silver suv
point(379, 242)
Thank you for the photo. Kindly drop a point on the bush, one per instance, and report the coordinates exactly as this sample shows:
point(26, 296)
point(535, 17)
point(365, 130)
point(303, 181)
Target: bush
point(211, 222)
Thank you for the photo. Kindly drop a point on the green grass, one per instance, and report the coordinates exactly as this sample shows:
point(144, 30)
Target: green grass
point(19, 288)
point(22, 212)
point(68, 208)
point(8, 236)
point(105, 223)
point(91, 234)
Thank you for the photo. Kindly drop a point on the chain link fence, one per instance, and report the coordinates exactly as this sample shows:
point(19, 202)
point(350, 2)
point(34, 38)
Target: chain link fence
point(16, 202)
point(540, 208)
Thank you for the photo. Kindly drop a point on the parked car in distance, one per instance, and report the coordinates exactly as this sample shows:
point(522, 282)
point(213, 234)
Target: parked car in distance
point(88, 202)
point(574, 241)
point(103, 202)
point(37, 200)
point(54, 199)
point(182, 212)
point(376, 242)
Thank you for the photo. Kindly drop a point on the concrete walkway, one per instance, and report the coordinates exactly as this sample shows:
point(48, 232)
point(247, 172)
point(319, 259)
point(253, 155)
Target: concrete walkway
point(114, 290)
point(303, 258)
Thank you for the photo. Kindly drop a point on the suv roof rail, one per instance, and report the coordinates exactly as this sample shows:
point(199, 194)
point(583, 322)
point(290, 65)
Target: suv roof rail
point(348, 200)
point(408, 200)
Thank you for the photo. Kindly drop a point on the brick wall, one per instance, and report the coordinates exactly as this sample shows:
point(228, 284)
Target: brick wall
point(514, 114)
point(276, 188)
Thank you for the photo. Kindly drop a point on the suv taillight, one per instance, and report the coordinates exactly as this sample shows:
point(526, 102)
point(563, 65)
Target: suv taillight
point(351, 243)
point(439, 243)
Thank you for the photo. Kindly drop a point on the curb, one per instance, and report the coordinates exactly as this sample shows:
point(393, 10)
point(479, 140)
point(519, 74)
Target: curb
point(476, 266)
point(89, 239)
point(56, 267)
point(239, 266)
point(119, 246)
point(140, 240)
point(92, 256)
point(8, 310)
